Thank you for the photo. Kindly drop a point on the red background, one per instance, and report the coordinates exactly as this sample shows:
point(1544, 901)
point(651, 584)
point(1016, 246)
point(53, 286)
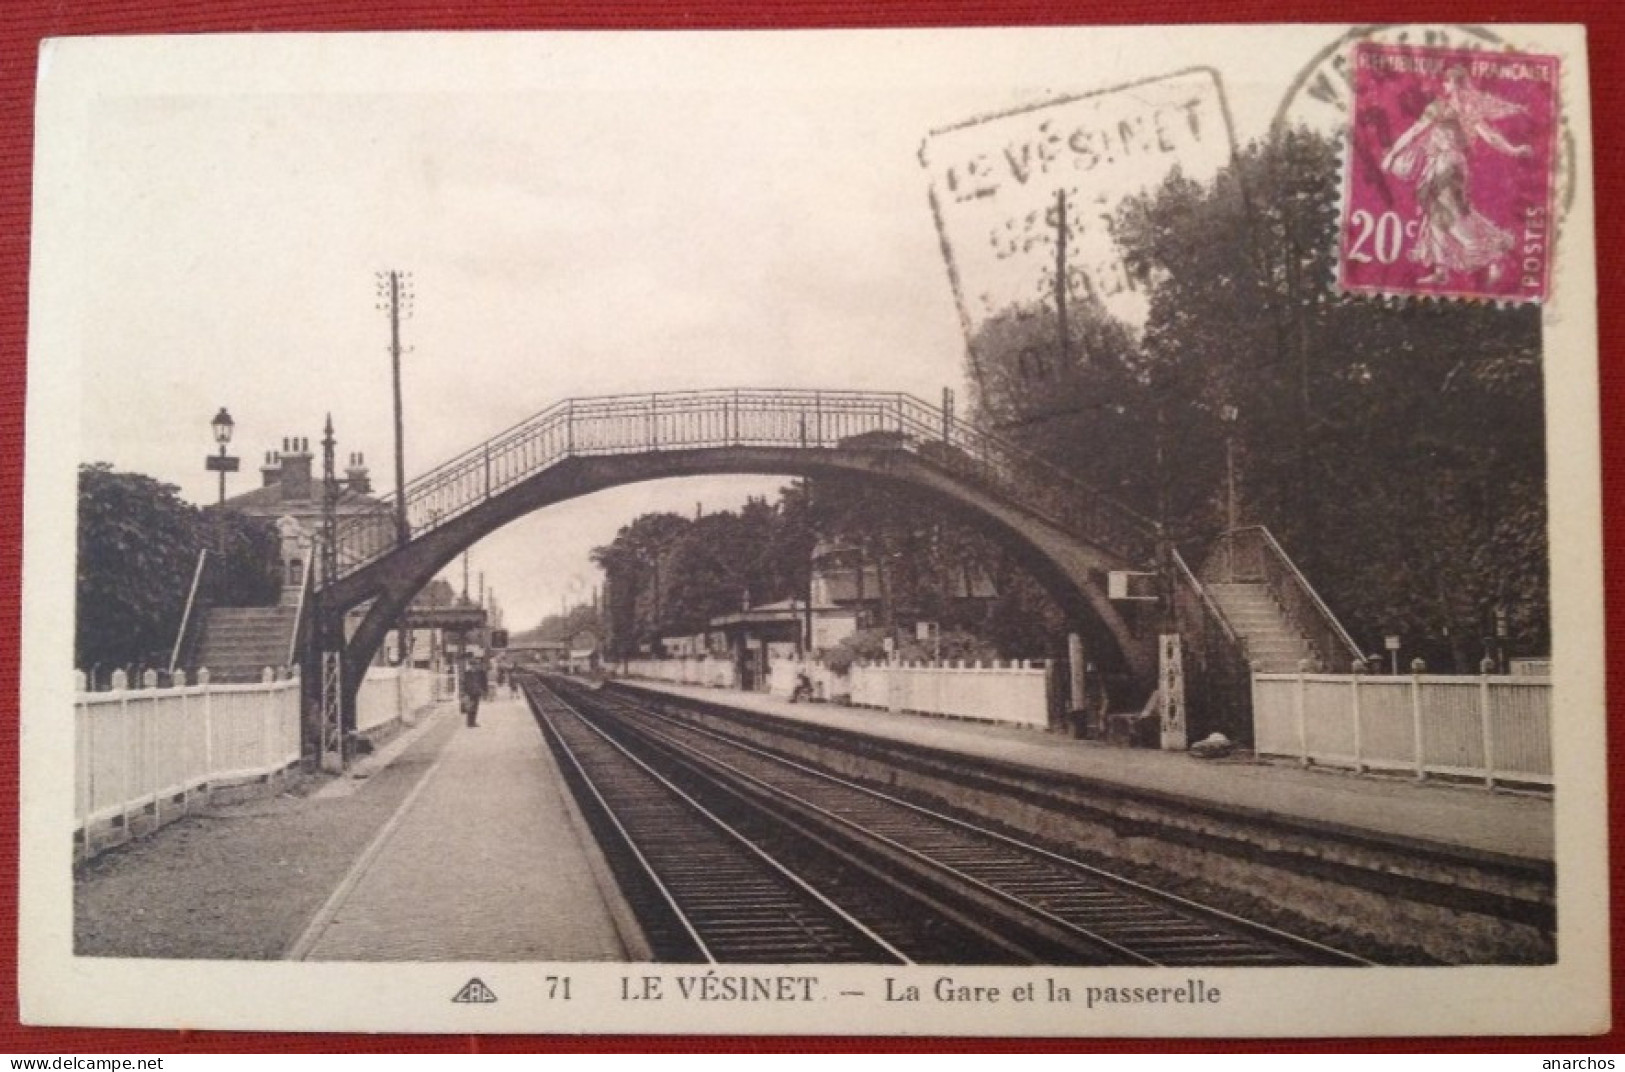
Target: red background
point(23, 23)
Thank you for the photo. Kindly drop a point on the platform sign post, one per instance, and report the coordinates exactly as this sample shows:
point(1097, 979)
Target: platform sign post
point(1391, 642)
point(1171, 693)
point(1074, 657)
point(331, 753)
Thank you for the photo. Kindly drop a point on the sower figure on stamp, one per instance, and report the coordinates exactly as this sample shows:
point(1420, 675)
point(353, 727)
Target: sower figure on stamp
point(1451, 236)
point(473, 690)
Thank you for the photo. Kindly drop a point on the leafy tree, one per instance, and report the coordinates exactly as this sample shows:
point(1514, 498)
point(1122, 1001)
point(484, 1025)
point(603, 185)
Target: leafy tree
point(726, 559)
point(711, 572)
point(1081, 402)
point(581, 618)
point(666, 574)
point(921, 558)
point(138, 544)
point(869, 645)
point(638, 580)
point(437, 593)
point(925, 559)
point(250, 573)
point(1395, 448)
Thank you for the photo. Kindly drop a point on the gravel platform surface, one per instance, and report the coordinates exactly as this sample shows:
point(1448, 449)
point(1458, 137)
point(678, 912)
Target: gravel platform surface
point(242, 880)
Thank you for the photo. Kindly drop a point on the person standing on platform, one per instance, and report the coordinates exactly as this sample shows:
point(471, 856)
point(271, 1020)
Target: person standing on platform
point(473, 690)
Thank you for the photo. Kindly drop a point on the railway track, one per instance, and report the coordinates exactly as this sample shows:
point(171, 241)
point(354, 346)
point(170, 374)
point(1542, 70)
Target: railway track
point(703, 891)
point(1003, 900)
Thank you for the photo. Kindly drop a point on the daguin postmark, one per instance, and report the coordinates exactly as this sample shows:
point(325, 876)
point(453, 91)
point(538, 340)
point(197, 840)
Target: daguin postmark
point(1448, 184)
point(1015, 193)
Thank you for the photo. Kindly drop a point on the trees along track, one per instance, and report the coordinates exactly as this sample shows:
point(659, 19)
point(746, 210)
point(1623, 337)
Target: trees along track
point(931, 888)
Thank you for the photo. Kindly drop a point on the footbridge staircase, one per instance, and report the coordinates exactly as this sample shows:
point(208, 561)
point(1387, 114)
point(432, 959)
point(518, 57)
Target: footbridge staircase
point(1247, 607)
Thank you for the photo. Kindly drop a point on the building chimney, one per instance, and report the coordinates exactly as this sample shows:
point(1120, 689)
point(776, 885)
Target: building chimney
point(356, 475)
point(296, 470)
point(271, 471)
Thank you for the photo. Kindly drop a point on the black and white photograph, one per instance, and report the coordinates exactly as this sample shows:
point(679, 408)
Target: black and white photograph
point(1001, 532)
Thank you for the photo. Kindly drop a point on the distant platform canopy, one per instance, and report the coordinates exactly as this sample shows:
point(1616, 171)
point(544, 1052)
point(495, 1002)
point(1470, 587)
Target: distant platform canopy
point(453, 619)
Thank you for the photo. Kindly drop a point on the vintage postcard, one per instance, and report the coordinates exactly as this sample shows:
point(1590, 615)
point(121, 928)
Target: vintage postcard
point(1035, 532)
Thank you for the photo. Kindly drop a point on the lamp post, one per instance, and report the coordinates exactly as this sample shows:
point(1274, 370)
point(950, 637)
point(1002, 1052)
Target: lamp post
point(1501, 632)
point(221, 463)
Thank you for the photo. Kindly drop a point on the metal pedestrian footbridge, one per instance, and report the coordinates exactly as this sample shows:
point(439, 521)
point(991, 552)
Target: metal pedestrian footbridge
point(1070, 534)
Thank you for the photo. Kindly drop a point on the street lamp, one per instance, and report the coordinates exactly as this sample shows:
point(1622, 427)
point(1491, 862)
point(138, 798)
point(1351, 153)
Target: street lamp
point(221, 463)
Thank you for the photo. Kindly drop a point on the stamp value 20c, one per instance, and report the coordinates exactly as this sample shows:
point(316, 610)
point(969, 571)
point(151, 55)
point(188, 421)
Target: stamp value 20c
point(1448, 180)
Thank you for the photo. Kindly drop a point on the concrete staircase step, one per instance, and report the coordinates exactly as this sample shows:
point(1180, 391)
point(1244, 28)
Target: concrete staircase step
point(231, 643)
point(269, 644)
point(238, 643)
point(1272, 644)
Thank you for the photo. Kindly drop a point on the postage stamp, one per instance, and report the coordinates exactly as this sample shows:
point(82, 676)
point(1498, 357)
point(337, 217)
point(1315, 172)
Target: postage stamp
point(1449, 174)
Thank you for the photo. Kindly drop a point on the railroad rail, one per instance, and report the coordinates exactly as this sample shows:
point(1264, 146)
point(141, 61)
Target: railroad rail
point(703, 890)
point(1038, 905)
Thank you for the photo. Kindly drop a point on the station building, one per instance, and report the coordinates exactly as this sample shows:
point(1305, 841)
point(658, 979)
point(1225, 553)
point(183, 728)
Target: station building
point(438, 627)
point(292, 496)
point(845, 597)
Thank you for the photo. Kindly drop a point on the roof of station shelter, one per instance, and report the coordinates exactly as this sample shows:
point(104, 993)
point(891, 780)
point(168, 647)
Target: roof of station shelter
point(288, 484)
point(272, 498)
point(785, 610)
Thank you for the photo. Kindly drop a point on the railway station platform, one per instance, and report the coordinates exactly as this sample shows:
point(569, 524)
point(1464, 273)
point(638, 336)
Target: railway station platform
point(1462, 817)
point(487, 859)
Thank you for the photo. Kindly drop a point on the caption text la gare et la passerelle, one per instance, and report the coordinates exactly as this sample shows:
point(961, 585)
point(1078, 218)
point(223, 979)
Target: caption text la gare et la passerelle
point(723, 986)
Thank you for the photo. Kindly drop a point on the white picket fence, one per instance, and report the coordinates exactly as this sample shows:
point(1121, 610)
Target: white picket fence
point(1016, 692)
point(140, 750)
point(1490, 728)
point(391, 693)
point(783, 675)
point(714, 673)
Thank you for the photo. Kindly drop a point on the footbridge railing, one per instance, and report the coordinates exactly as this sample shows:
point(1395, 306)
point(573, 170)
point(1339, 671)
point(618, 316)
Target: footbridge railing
point(1252, 554)
point(797, 419)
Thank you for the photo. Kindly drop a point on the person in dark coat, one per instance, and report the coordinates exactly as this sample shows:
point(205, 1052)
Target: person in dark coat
point(474, 685)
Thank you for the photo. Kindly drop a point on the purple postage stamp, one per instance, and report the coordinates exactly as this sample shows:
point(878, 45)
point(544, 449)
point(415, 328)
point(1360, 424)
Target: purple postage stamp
point(1448, 182)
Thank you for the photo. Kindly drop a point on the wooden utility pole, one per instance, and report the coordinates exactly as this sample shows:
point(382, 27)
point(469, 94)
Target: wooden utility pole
point(330, 494)
point(394, 292)
point(807, 646)
point(1061, 279)
point(396, 288)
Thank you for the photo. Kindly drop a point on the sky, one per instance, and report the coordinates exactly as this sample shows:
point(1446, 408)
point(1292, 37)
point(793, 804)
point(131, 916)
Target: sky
point(580, 215)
